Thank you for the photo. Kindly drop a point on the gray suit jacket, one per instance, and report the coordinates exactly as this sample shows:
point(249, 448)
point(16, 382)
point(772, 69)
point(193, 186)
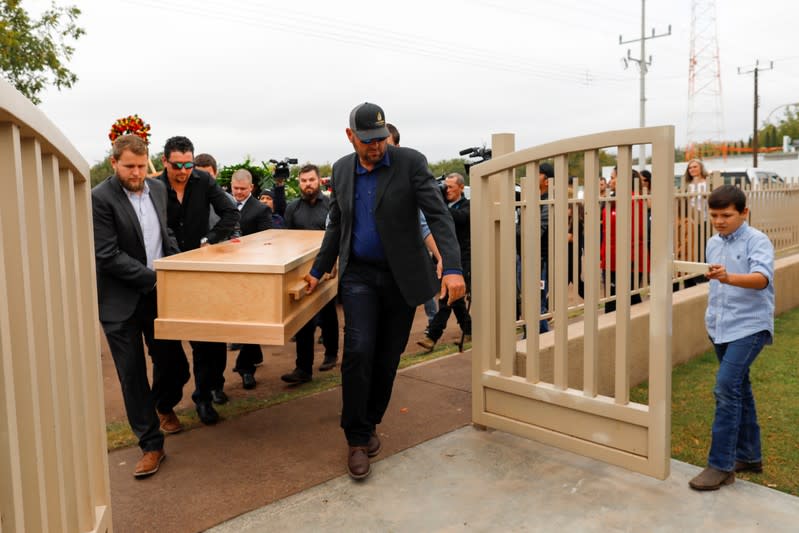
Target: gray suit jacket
point(403, 188)
point(120, 256)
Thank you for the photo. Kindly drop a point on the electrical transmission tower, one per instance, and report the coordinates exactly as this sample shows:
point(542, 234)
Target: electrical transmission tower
point(705, 118)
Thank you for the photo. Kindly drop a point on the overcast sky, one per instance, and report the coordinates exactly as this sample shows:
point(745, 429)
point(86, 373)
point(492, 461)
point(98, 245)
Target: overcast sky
point(278, 79)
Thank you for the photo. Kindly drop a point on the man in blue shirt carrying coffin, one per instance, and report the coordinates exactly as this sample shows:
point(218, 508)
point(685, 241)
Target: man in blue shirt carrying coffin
point(385, 270)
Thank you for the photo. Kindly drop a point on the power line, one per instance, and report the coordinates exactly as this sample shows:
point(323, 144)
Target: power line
point(340, 31)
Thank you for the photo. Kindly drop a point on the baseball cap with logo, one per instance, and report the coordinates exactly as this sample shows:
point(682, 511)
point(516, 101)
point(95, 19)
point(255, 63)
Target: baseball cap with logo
point(368, 122)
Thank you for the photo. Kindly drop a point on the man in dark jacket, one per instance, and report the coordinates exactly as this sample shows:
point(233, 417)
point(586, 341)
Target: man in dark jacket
point(255, 217)
point(130, 233)
point(459, 209)
point(373, 231)
point(190, 193)
point(310, 212)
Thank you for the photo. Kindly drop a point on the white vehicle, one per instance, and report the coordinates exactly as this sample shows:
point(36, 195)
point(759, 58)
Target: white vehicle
point(754, 178)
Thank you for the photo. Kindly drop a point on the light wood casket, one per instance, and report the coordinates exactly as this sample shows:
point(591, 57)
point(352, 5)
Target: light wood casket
point(246, 291)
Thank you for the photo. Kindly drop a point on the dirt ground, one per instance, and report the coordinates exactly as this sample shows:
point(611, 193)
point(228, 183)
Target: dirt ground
point(278, 360)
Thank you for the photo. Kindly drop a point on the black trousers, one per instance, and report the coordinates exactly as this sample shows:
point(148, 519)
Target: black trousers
point(170, 371)
point(209, 360)
point(439, 322)
point(327, 320)
point(634, 299)
point(249, 356)
point(377, 323)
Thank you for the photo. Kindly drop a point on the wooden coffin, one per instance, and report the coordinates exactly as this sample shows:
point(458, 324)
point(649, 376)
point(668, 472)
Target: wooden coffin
point(249, 290)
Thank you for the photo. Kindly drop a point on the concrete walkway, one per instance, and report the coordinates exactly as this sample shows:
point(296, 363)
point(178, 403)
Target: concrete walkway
point(471, 480)
point(283, 469)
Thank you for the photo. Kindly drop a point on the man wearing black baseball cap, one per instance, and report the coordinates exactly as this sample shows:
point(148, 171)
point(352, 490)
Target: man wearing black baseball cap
point(386, 273)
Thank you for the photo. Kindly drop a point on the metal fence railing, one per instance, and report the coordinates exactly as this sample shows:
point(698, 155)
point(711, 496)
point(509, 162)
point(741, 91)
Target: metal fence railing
point(53, 458)
point(621, 251)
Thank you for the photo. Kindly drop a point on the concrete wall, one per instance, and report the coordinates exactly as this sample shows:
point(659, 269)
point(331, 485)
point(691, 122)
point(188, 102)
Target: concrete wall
point(689, 337)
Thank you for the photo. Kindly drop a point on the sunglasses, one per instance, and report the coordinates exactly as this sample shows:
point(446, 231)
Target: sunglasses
point(370, 141)
point(187, 165)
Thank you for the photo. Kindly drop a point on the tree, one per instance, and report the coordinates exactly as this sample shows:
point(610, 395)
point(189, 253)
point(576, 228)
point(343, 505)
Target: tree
point(262, 176)
point(35, 51)
point(789, 125)
point(102, 169)
point(448, 166)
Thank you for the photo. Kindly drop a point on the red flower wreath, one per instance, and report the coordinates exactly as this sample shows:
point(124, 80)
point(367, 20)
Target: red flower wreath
point(132, 124)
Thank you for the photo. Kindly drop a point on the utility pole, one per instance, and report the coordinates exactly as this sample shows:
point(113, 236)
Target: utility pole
point(643, 66)
point(757, 68)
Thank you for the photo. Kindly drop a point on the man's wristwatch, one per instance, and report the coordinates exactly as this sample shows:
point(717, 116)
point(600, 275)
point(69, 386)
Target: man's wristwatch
point(204, 240)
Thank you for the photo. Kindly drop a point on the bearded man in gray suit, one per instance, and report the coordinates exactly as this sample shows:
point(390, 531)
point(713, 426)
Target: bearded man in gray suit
point(130, 232)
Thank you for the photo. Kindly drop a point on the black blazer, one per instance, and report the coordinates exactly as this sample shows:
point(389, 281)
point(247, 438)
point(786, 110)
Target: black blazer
point(404, 187)
point(254, 217)
point(189, 219)
point(121, 260)
point(461, 216)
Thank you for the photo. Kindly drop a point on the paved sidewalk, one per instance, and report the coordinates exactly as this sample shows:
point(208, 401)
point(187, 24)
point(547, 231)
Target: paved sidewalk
point(470, 480)
point(282, 469)
point(212, 474)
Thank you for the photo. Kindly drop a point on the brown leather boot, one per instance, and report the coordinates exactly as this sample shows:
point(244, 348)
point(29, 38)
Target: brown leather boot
point(149, 463)
point(170, 423)
point(358, 463)
point(755, 467)
point(374, 446)
point(712, 479)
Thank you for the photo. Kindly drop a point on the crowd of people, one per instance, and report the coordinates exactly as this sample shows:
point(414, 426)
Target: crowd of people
point(372, 232)
point(396, 239)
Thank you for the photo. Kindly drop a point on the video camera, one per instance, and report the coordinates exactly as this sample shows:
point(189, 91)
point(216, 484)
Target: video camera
point(282, 171)
point(480, 153)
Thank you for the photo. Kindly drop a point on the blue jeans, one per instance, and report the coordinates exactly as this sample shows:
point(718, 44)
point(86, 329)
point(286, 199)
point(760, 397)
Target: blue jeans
point(430, 309)
point(377, 323)
point(736, 434)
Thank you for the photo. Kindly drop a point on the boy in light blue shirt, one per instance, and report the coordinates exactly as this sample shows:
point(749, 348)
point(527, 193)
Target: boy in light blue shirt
point(739, 321)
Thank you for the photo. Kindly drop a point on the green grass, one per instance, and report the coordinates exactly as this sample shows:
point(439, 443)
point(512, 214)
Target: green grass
point(119, 434)
point(775, 382)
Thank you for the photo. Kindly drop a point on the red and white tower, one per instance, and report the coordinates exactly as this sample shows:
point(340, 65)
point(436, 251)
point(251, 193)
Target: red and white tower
point(705, 118)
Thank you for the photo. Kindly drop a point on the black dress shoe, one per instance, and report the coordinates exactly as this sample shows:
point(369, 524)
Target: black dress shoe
point(248, 380)
point(295, 377)
point(328, 363)
point(207, 413)
point(219, 397)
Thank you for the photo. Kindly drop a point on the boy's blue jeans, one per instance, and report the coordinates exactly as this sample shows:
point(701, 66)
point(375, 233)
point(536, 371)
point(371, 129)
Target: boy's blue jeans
point(736, 434)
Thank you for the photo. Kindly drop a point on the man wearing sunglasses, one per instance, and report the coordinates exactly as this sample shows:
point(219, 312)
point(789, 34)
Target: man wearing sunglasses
point(191, 193)
point(373, 230)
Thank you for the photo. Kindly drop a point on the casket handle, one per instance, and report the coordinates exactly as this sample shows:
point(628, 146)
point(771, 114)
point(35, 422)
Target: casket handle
point(297, 291)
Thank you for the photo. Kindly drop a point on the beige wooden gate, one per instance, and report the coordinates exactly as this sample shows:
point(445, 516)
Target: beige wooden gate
point(524, 389)
point(53, 460)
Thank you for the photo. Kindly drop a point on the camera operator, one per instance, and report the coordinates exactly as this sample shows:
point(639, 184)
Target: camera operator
point(281, 174)
point(460, 210)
